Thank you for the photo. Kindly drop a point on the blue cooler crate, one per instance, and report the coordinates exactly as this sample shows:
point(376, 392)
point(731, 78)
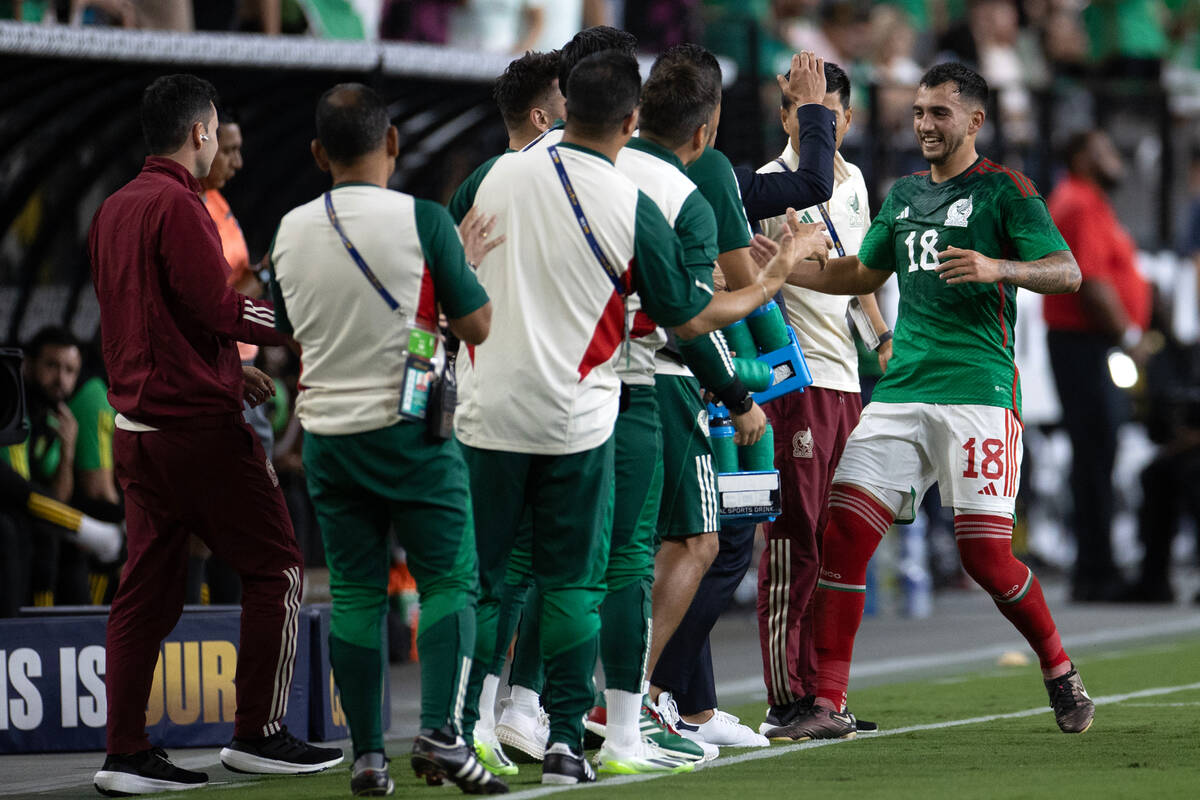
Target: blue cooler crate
point(789, 368)
point(749, 496)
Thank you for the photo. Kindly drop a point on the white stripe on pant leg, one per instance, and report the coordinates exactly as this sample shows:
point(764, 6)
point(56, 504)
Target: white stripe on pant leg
point(287, 646)
point(287, 649)
point(293, 642)
point(781, 573)
point(460, 696)
point(714, 497)
point(777, 630)
point(286, 688)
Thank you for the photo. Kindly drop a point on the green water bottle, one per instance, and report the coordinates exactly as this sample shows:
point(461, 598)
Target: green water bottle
point(740, 339)
point(755, 374)
point(769, 329)
point(760, 456)
point(720, 435)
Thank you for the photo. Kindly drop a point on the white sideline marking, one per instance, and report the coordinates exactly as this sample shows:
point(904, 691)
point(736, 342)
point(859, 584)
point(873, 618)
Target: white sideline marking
point(776, 751)
point(890, 666)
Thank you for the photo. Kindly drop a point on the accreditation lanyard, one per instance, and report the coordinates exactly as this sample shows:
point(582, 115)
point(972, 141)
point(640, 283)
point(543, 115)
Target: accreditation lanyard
point(837, 242)
point(357, 257)
point(584, 226)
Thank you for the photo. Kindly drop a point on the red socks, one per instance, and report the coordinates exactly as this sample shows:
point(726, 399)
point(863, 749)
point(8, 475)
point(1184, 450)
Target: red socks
point(985, 545)
point(857, 523)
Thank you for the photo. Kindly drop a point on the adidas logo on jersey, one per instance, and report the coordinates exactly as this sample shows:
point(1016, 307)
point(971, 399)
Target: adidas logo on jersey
point(903, 214)
point(989, 490)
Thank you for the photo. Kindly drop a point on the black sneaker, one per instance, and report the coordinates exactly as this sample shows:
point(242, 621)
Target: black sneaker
point(370, 776)
point(561, 766)
point(278, 754)
point(818, 723)
point(145, 773)
point(440, 755)
point(1073, 709)
point(786, 714)
point(863, 725)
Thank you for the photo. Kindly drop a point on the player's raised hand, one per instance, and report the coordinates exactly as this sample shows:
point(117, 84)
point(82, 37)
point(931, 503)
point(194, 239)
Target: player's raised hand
point(775, 272)
point(762, 249)
point(476, 233)
point(812, 239)
point(806, 81)
point(967, 266)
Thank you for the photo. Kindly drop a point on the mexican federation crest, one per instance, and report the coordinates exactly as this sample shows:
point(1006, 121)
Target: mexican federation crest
point(957, 216)
point(702, 421)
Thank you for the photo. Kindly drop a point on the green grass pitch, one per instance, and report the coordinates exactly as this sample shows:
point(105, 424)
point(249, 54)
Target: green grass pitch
point(1147, 745)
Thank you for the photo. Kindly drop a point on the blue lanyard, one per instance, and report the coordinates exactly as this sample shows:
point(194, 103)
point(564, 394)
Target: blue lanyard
point(837, 242)
point(605, 264)
point(358, 259)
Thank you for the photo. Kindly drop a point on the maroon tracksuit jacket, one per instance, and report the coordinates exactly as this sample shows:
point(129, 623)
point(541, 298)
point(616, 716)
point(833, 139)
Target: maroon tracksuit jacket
point(169, 324)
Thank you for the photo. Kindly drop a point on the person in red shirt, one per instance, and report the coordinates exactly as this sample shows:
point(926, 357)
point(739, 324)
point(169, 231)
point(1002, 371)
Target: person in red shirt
point(1111, 310)
point(185, 460)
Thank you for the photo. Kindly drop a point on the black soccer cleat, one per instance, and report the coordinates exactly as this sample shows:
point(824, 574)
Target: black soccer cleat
point(561, 766)
point(1073, 709)
point(281, 753)
point(817, 723)
point(438, 756)
point(146, 772)
point(783, 715)
point(370, 778)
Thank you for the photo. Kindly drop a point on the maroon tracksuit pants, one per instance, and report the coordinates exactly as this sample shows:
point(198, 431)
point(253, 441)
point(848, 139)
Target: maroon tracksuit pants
point(811, 428)
point(214, 482)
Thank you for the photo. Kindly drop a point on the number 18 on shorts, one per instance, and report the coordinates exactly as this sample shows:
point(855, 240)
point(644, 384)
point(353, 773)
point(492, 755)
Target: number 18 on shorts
point(972, 452)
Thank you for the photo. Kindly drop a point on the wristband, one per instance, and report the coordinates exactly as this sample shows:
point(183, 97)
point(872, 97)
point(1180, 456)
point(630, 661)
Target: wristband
point(766, 297)
point(736, 397)
point(886, 336)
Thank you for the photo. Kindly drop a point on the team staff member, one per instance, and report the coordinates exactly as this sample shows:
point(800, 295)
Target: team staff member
point(811, 427)
point(948, 409)
point(684, 670)
point(540, 397)
point(169, 325)
point(530, 103)
point(371, 470)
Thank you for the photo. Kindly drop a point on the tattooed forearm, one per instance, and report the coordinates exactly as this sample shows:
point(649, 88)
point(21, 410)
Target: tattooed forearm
point(1057, 273)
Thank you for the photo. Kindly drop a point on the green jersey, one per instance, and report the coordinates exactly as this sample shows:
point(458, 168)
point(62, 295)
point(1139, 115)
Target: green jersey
point(954, 344)
point(93, 443)
point(713, 175)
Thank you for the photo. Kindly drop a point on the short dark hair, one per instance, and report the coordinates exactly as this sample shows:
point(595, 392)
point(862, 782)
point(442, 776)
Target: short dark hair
point(1076, 143)
point(524, 81)
point(971, 85)
point(50, 336)
point(352, 120)
point(697, 55)
point(171, 105)
point(676, 100)
point(836, 80)
point(588, 42)
point(604, 91)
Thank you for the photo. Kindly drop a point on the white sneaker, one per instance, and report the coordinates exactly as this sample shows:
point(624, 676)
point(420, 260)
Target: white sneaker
point(642, 757)
point(668, 712)
point(723, 730)
point(527, 734)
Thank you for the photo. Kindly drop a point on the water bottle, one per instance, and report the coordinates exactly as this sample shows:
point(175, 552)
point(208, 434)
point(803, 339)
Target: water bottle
point(760, 456)
point(720, 436)
point(915, 582)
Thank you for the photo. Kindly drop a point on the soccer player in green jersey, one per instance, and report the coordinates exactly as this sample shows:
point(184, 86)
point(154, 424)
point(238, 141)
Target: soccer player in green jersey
point(961, 239)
